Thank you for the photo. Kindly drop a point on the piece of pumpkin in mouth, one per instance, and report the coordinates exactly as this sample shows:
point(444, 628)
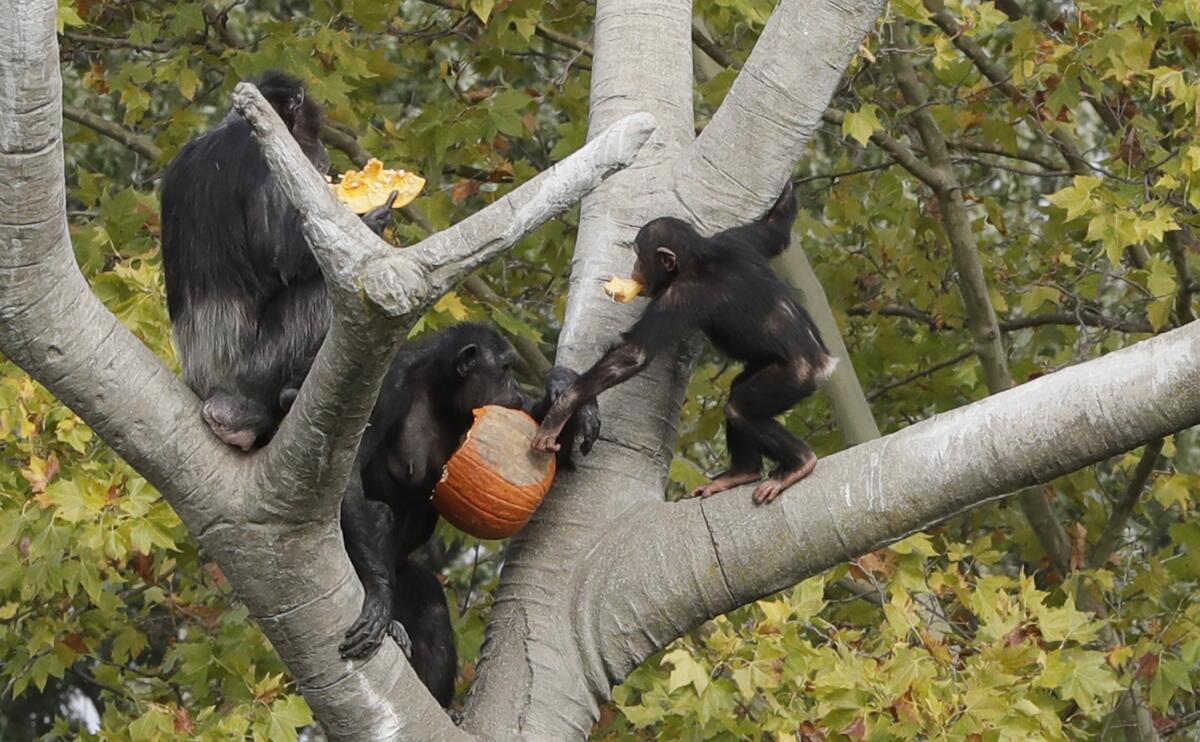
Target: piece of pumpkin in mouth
point(622, 289)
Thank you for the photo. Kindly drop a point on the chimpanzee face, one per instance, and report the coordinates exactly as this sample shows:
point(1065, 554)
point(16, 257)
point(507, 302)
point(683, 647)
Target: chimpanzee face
point(486, 371)
point(659, 245)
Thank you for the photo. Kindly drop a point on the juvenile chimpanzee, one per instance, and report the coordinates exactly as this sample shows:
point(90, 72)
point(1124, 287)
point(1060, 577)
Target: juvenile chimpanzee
point(424, 410)
point(248, 305)
point(724, 286)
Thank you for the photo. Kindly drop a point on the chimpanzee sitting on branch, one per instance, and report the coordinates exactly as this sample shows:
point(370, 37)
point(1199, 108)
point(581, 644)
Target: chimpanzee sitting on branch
point(248, 304)
point(424, 410)
point(724, 286)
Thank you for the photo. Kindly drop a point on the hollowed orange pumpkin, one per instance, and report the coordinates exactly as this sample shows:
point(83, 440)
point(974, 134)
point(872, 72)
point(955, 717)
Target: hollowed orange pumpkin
point(494, 481)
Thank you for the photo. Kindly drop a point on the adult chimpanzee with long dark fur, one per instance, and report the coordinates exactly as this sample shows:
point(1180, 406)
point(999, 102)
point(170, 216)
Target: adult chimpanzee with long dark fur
point(248, 305)
point(724, 286)
point(424, 410)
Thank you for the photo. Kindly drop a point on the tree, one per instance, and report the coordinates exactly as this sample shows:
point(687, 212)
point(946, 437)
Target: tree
point(608, 573)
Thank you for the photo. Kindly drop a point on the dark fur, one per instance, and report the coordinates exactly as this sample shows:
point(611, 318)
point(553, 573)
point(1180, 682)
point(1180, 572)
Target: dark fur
point(424, 410)
point(724, 286)
point(248, 304)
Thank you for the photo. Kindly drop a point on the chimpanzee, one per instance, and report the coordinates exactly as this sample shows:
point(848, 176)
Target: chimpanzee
point(723, 285)
point(248, 305)
point(424, 409)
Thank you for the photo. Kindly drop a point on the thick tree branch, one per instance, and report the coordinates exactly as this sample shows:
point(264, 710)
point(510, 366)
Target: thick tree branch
point(875, 493)
point(776, 102)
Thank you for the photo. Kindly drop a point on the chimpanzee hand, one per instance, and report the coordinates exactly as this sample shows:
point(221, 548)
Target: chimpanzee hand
point(546, 437)
point(584, 425)
point(367, 632)
point(380, 217)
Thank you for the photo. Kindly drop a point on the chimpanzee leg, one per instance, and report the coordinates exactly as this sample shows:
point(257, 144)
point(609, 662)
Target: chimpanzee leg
point(772, 391)
point(745, 461)
point(419, 604)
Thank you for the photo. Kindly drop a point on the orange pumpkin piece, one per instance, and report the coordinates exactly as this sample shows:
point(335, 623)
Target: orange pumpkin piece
point(494, 481)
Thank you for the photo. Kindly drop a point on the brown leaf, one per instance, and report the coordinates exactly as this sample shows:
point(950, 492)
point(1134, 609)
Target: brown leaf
point(479, 94)
point(183, 721)
point(1079, 545)
point(463, 190)
point(1147, 665)
point(856, 729)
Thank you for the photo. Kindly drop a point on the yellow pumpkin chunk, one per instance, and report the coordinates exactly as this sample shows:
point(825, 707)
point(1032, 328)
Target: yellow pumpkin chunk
point(622, 289)
point(369, 188)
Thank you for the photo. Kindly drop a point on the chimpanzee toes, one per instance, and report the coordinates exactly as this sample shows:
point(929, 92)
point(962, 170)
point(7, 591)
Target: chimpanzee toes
point(366, 633)
point(397, 631)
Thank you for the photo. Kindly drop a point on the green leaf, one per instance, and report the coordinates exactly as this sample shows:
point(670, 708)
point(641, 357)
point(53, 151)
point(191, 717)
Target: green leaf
point(861, 124)
point(68, 16)
point(687, 671)
point(482, 8)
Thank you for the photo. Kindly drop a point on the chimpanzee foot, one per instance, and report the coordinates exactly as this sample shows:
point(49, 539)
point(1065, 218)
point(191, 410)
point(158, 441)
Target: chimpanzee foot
point(726, 481)
point(366, 633)
point(226, 428)
point(781, 479)
point(397, 631)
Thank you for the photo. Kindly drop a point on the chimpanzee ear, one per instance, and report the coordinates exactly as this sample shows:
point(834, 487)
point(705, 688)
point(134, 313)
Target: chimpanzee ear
point(666, 256)
point(296, 101)
point(466, 358)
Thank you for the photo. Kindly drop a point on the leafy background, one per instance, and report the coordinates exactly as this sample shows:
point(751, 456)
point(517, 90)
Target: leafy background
point(1070, 133)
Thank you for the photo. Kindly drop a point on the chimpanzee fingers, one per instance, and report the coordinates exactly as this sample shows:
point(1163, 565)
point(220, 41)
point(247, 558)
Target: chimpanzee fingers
point(392, 200)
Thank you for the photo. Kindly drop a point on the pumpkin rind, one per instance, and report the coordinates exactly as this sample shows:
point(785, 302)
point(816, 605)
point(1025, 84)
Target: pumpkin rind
point(494, 481)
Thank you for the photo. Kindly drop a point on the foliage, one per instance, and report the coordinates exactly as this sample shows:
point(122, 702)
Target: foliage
point(968, 631)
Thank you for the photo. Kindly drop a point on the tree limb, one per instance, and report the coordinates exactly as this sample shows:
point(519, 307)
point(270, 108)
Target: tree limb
point(875, 493)
point(776, 102)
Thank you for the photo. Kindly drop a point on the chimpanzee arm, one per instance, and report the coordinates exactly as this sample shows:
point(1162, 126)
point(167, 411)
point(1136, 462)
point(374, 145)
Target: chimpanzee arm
point(770, 235)
point(666, 320)
point(367, 532)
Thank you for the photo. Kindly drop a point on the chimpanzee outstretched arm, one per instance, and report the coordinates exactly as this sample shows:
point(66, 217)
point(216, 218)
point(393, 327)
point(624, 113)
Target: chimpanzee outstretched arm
point(770, 235)
point(665, 321)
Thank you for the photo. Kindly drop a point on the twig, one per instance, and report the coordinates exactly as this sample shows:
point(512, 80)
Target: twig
point(1103, 549)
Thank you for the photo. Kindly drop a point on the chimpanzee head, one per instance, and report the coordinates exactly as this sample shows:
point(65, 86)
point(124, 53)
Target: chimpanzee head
point(662, 246)
point(287, 96)
point(480, 361)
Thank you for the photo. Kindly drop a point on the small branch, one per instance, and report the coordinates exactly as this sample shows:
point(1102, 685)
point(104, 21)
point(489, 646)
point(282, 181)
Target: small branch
point(1104, 547)
point(139, 143)
point(968, 145)
point(159, 47)
point(1066, 319)
point(999, 77)
point(219, 19)
point(1177, 244)
point(710, 47)
point(899, 151)
point(881, 391)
